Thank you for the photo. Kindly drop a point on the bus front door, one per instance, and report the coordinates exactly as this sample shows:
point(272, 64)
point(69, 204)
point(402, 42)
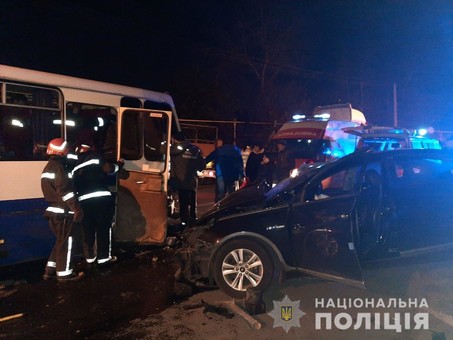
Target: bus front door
point(143, 145)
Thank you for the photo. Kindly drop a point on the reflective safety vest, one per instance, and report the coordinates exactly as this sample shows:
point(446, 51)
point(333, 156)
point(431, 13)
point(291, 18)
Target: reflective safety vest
point(90, 177)
point(58, 188)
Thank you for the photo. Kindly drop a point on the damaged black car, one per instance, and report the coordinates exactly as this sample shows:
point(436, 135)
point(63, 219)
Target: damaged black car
point(324, 221)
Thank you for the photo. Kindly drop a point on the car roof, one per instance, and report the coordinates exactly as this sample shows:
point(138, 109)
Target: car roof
point(368, 154)
point(359, 156)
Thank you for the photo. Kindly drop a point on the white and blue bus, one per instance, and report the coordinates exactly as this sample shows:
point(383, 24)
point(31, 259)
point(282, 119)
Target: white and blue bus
point(121, 122)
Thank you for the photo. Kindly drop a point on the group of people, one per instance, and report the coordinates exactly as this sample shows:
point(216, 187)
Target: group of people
point(187, 160)
point(78, 193)
point(77, 190)
point(261, 167)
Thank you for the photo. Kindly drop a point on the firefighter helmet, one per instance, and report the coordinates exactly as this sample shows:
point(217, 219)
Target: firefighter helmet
point(82, 148)
point(58, 147)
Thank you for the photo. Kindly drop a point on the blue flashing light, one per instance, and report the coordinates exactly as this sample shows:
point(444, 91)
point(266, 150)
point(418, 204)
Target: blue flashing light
point(337, 154)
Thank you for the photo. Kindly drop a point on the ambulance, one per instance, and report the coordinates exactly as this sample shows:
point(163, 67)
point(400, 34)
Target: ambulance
point(320, 136)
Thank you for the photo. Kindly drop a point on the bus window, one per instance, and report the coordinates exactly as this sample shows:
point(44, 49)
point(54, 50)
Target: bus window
point(92, 125)
point(163, 106)
point(152, 105)
point(155, 132)
point(131, 102)
point(131, 146)
point(24, 95)
point(153, 146)
point(26, 127)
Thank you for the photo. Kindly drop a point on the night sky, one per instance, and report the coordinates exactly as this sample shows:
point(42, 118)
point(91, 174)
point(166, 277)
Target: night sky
point(258, 60)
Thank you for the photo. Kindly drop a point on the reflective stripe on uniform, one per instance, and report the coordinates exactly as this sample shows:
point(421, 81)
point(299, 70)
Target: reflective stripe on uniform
point(68, 269)
point(104, 260)
point(55, 210)
point(72, 156)
point(64, 272)
point(90, 260)
point(84, 164)
point(68, 196)
point(101, 261)
point(48, 175)
point(95, 194)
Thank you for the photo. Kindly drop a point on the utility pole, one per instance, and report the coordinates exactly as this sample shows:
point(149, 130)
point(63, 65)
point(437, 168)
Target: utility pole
point(395, 107)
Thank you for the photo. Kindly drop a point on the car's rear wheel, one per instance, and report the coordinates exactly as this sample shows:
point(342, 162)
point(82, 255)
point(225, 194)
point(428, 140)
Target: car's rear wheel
point(242, 264)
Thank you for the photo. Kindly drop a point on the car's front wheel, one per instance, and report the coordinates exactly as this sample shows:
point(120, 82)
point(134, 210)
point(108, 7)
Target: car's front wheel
point(241, 264)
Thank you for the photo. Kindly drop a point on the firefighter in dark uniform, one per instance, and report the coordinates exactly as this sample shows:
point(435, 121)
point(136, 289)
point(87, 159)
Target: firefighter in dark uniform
point(63, 212)
point(186, 160)
point(91, 179)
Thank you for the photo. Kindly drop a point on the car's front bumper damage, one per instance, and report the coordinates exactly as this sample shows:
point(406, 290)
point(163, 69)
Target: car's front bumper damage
point(192, 261)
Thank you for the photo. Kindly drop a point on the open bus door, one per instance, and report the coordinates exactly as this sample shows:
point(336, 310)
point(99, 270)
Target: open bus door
point(143, 144)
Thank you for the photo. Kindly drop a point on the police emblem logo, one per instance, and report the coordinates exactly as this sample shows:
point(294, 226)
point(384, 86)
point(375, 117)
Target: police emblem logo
point(286, 314)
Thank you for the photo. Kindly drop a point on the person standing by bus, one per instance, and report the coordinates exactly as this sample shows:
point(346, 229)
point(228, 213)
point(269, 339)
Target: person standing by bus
point(91, 176)
point(186, 159)
point(229, 167)
point(63, 212)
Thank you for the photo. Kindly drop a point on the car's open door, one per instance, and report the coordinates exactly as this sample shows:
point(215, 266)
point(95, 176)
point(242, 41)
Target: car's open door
point(323, 227)
point(143, 145)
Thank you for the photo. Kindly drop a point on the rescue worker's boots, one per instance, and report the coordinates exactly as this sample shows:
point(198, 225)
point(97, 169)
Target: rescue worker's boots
point(71, 277)
point(104, 264)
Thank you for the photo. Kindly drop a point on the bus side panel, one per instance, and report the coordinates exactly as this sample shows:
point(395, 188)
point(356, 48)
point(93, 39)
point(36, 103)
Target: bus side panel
point(24, 231)
point(141, 209)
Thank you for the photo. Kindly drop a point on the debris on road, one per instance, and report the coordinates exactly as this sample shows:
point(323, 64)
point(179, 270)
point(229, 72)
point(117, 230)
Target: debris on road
point(10, 317)
point(232, 306)
point(209, 308)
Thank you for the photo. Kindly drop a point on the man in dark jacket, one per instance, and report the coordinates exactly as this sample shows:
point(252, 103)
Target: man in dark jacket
point(253, 165)
point(229, 168)
point(186, 159)
point(284, 163)
point(63, 211)
point(91, 181)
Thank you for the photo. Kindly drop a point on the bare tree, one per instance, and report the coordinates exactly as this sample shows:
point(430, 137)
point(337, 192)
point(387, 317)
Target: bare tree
point(266, 39)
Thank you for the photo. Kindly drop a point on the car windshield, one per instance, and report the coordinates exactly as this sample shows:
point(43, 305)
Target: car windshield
point(304, 148)
point(304, 173)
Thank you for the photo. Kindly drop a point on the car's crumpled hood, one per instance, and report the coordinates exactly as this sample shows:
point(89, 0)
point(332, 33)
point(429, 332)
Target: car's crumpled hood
point(241, 200)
